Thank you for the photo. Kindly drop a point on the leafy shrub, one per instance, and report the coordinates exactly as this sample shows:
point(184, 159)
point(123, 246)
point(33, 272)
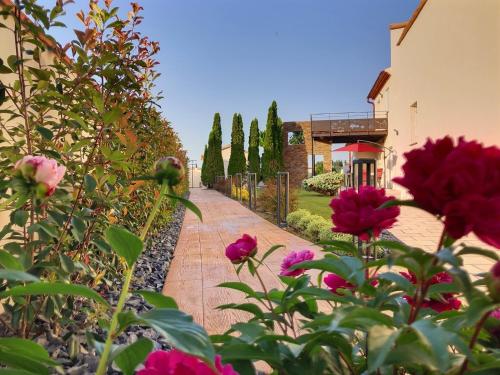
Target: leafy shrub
point(294, 217)
point(326, 183)
point(314, 226)
point(267, 200)
point(235, 193)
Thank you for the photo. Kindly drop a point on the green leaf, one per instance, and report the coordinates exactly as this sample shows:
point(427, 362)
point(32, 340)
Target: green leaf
point(90, 183)
point(15, 275)
point(399, 280)
point(340, 245)
point(9, 261)
point(187, 203)
point(11, 371)
point(66, 263)
point(111, 116)
point(242, 287)
point(24, 354)
point(19, 217)
point(478, 251)
point(398, 202)
point(124, 243)
point(157, 299)
point(180, 330)
point(381, 340)
point(133, 355)
point(270, 251)
point(45, 133)
point(55, 288)
point(78, 228)
point(98, 102)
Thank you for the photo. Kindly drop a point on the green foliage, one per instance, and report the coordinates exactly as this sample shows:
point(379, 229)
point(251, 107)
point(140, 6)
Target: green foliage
point(237, 161)
point(272, 158)
point(204, 167)
point(326, 183)
point(253, 149)
point(213, 163)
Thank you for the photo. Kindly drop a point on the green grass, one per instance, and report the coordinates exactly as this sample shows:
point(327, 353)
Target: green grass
point(315, 203)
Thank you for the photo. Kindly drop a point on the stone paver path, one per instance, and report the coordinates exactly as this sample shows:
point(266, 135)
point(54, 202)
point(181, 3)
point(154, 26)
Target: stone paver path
point(418, 228)
point(199, 263)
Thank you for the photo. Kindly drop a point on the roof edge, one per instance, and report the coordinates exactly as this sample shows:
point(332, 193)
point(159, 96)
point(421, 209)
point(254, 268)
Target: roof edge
point(398, 25)
point(379, 83)
point(412, 20)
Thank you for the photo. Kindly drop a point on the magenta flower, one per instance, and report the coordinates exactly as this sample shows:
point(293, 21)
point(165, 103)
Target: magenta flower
point(358, 213)
point(242, 249)
point(175, 362)
point(336, 282)
point(494, 282)
point(295, 258)
point(444, 302)
point(45, 172)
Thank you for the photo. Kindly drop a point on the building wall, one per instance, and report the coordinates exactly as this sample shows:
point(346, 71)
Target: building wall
point(296, 157)
point(449, 65)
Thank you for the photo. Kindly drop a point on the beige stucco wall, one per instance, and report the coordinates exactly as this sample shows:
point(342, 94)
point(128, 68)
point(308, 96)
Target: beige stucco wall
point(7, 48)
point(449, 64)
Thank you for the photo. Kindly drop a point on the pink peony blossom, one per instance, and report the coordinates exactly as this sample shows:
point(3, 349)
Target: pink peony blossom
point(358, 213)
point(175, 362)
point(336, 282)
point(445, 302)
point(494, 282)
point(295, 258)
point(43, 171)
point(242, 249)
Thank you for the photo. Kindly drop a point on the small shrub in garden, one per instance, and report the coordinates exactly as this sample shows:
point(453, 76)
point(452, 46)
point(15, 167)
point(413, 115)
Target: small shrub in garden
point(326, 183)
point(314, 226)
point(235, 193)
point(267, 200)
point(294, 217)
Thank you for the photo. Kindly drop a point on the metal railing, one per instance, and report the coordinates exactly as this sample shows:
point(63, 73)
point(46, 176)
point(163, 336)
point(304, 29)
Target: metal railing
point(252, 190)
point(282, 177)
point(348, 123)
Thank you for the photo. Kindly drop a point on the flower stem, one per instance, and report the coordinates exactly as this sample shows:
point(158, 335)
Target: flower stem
point(103, 362)
point(473, 339)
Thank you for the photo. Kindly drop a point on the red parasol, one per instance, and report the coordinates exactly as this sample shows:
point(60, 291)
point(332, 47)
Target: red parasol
point(359, 147)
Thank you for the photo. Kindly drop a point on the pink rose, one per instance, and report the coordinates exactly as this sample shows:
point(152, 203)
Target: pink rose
point(358, 213)
point(45, 172)
point(242, 249)
point(336, 282)
point(295, 258)
point(175, 362)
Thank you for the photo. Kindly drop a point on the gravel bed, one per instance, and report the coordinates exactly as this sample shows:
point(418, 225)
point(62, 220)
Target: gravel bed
point(150, 272)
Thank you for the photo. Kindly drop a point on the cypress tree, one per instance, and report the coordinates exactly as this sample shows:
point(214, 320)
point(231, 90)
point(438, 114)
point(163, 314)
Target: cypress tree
point(237, 162)
point(272, 159)
point(253, 149)
point(218, 163)
point(204, 167)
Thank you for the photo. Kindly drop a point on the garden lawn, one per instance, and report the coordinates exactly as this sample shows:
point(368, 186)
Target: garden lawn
point(315, 203)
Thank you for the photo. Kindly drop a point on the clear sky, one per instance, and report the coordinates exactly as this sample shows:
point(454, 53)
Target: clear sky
point(237, 56)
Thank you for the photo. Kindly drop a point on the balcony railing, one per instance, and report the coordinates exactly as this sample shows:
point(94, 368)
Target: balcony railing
point(348, 123)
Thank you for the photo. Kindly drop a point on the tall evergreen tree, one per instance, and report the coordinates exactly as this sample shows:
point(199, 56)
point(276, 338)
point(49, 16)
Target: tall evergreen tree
point(204, 167)
point(253, 149)
point(218, 163)
point(272, 159)
point(212, 161)
point(237, 161)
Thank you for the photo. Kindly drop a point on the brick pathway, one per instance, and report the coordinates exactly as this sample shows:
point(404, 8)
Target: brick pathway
point(418, 228)
point(199, 263)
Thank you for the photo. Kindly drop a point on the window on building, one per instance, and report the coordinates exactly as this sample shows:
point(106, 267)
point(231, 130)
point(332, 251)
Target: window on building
point(413, 124)
point(296, 138)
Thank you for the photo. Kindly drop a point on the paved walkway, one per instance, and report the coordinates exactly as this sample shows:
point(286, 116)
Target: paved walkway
point(199, 263)
point(418, 228)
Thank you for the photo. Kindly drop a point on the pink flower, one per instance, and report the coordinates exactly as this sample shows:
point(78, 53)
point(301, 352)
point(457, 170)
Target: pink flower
point(460, 182)
point(494, 282)
point(242, 249)
point(336, 282)
point(358, 213)
point(175, 362)
point(45, 172)
point(445, 302)
point(295, 258)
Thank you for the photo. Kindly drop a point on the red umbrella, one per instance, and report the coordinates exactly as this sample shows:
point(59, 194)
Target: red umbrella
point(359, 147)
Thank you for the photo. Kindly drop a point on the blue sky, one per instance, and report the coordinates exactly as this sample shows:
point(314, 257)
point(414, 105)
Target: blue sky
point(237, 56)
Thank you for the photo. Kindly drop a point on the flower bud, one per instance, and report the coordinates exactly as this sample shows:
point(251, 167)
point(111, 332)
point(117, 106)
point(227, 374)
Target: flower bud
point(242, 249)
point(494, 282)
point(41, 173)
point(170, 169)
